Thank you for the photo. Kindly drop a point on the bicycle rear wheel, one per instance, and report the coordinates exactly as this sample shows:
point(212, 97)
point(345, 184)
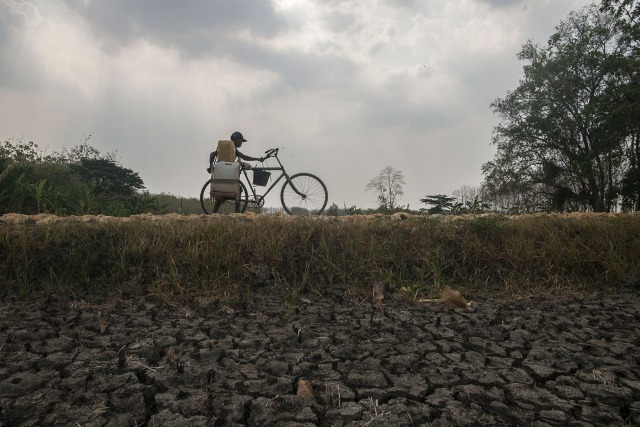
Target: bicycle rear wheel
point(228, 205)
point(304, 194)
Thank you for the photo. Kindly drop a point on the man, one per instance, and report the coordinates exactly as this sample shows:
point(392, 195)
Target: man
point(237, 139)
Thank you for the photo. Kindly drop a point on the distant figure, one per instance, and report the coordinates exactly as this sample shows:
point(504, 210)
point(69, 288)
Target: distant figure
point(237, 139)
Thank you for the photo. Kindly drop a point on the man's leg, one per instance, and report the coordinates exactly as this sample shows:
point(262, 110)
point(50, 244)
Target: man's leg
point(216, 205)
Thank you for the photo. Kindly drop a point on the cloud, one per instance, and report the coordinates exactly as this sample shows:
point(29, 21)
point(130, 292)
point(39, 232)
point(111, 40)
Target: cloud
point(502, 3)
point(197, 28)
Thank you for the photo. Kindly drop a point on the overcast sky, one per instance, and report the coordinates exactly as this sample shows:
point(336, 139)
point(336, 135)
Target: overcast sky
point(344, 87)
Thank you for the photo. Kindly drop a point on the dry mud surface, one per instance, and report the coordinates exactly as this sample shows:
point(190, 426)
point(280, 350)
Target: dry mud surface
point(572, 362)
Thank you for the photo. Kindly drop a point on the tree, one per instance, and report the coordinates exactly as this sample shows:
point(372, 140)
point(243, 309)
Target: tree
point(628, 14)
point(79, 181)
point(439, 203)
point(107, 178)
point(32, 181)
point(556, 138)
point(388, 186)
point(333, 210)
point(626, 103)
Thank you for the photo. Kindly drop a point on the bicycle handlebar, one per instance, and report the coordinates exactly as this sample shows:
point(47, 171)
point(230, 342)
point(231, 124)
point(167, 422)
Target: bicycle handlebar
point(271, 152)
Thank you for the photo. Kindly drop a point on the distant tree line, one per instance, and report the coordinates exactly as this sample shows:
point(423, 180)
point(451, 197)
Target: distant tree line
point(78, 181)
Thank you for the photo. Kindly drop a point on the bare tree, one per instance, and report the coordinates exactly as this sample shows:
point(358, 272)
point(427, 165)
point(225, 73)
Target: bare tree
point(388, 187)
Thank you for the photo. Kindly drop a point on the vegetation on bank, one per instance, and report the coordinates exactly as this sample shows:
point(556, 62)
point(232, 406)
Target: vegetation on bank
point(229, 257)
point(79, 181)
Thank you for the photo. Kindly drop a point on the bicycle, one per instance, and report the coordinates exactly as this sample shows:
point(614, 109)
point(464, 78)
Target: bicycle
point(302, 193)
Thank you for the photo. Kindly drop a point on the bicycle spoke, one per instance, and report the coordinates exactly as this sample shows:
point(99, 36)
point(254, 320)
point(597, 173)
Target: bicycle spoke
point(227, 206)
point(304, 194)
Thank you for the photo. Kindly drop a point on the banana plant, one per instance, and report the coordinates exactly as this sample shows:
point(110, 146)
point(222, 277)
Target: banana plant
point(39, 192)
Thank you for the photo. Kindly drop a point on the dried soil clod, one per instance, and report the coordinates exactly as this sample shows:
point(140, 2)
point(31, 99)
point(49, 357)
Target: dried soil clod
point(378, 294)
point(454, 299)
point(304, 388)
point(171, 355)
point(102, 324)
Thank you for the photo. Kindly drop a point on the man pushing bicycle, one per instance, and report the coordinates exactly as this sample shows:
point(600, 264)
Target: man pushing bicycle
point(225, 156)
point(301, 193)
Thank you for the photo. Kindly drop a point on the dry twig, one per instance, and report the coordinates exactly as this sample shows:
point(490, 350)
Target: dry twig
point(378, 295)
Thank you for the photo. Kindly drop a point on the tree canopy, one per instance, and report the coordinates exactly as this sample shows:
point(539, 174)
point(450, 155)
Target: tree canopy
point(561, 136)
point(439, 203)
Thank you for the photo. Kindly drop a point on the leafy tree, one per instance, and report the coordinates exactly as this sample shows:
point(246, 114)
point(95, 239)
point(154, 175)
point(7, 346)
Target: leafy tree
point(31, 180)
point(333, 210)
point(556, 138)
point(77, 181)
point(388, 186)
point(625, 104)
point(439, 203)
point(106, 178)
point(102, 172)
point(20, 152)
point(627, 12)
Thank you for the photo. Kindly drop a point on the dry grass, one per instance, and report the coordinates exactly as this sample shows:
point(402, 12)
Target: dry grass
point(216, 257)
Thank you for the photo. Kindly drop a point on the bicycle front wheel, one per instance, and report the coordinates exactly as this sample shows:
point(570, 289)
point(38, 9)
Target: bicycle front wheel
point(226, 205)
point(304, 194)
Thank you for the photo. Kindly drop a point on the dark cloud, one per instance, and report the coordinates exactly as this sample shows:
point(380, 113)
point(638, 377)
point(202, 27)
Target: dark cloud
point(394, 111)
point(403, 3)
point(13, 51)
point(340, 22)
point(311, 72)
point(501, 4)
point(301, 71)
point(196, 27)
point(480, 78)
point(8, 20)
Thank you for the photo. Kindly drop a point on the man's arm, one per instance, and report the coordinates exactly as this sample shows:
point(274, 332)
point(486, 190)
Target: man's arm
point(212, 157)
point(248, 158)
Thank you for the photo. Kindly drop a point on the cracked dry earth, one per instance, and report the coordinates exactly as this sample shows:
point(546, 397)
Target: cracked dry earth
point(526, 362)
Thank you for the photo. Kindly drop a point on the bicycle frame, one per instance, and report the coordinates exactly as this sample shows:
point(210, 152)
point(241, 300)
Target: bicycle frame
point(256, 198)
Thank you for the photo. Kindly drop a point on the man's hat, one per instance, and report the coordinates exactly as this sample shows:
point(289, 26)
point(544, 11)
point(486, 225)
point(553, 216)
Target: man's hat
point(237, 136)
